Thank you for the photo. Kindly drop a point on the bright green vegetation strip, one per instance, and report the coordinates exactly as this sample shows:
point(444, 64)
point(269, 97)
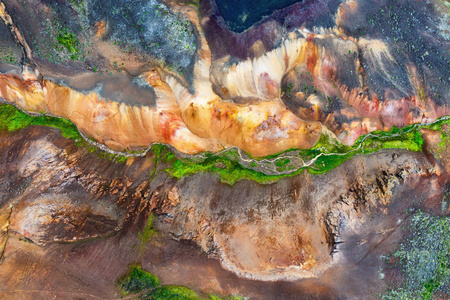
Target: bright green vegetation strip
point(328, 153)
point(333, 154)
point(148, 287)
point(12, 119)
point(229, 170)
point(424, 260)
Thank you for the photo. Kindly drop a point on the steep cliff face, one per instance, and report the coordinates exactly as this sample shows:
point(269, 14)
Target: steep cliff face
point(316, 75)
point(352, 82)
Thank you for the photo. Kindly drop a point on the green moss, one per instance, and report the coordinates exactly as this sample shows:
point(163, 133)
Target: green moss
point(333, 153)
point(328, 144)
point(282, 162)
point(7, 56)
point(445, 137)
point(12, 119)
point(217, 297)
point(58, 42)
point(421, 93)
point(137, 280)
point(229, 171)
point(69, 41)
point(173, 292)
point(326, 163)
point(287, 91)
point(79, 4)
point(423, 259)
point(148, 232)
point(445, 142)
point(149, 286)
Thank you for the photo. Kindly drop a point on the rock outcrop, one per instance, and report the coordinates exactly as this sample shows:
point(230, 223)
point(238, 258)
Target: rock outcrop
point(333, 76)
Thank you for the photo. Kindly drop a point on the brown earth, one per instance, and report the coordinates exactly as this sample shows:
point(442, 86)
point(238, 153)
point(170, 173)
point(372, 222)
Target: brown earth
point(74, 217)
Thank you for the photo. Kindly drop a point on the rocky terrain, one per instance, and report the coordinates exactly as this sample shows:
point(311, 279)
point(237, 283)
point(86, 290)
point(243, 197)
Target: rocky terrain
point(297, 157)
point(266, 101)
point(57, 198)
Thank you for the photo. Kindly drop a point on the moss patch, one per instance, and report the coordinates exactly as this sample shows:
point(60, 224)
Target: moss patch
point(70, 42)
point(60, 40)
point(148, 232)
point(171, 292)
point(217, 297)
point(423, 260)
point(12, 119)
point(137, 280)
point(148, 287)
point(7, 56)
